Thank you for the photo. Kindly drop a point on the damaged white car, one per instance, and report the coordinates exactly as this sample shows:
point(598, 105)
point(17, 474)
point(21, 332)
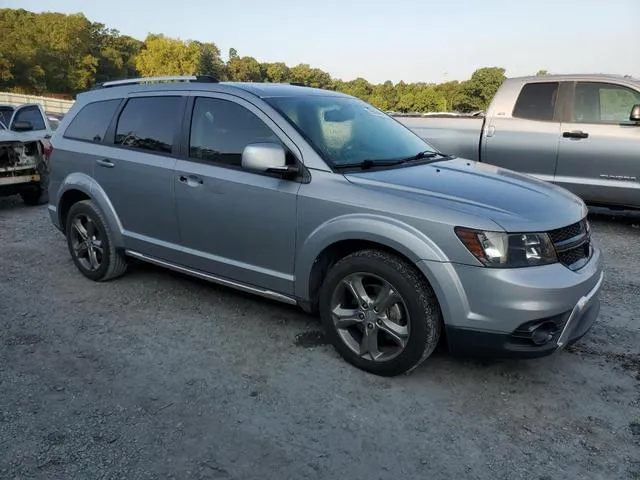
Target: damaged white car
point(24, 154)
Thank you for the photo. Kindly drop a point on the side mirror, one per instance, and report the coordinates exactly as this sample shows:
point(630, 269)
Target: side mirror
point(635, 113)
point(266, 157)
point(22, 126)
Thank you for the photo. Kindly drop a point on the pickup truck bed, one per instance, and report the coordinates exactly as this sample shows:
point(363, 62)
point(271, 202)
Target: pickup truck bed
point(457, 135)
point(581, 132)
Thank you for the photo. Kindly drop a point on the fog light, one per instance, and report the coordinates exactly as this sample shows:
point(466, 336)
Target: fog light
point(543, 333)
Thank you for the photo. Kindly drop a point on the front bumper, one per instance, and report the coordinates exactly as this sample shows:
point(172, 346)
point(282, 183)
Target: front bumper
point(572, 327)
point(505, 312)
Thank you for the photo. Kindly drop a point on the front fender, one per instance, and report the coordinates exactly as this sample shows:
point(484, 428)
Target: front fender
point(85, 184)
point(392, 233)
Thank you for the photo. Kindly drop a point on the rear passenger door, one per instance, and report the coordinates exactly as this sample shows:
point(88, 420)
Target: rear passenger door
point(234, 223)
point(599, 157)
point(137, 171)
point(526, 139)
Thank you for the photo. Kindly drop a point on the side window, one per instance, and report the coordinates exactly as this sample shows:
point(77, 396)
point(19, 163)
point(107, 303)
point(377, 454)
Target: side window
point(537, 101)
point(220, 129)
point(32, 115)
point(5, 114)
point(149, 123)
point(603, 103)
point(92, 121)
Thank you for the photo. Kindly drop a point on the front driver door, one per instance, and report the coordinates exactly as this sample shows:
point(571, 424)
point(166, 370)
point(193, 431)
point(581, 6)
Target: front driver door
point(35, 115)
point(599, 154)
point(234, 223)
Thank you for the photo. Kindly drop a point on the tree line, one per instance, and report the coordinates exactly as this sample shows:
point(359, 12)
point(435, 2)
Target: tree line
point(57, 54)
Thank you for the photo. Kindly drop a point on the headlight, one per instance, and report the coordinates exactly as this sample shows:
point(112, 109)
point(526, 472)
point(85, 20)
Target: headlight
point(508, 250)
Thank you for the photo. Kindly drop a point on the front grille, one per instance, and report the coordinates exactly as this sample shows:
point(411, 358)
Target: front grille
point(574, 255)
point(566, 233)
point(572, 244)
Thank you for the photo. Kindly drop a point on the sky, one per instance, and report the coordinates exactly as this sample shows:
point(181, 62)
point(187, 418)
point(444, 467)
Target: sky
point(410, 40)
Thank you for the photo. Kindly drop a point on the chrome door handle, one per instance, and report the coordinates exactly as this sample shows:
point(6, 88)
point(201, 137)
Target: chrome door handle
point(105, 163)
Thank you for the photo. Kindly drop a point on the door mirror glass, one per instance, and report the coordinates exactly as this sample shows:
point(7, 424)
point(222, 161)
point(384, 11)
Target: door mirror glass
point(264, 157)
point(635, 113)
point(23, 126)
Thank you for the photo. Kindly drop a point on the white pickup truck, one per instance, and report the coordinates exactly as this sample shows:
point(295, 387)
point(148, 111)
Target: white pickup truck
point(24, 151)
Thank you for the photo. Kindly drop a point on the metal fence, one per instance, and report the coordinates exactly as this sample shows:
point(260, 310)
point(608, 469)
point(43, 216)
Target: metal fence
point(50, 105)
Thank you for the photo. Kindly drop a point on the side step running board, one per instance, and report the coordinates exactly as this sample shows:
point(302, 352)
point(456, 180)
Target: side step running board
point(214, 279)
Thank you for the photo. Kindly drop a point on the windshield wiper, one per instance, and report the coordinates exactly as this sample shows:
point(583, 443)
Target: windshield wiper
point(368, 163)
point(427, 154)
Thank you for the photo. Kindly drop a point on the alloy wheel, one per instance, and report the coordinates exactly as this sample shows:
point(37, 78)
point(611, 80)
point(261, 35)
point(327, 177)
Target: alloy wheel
point(86, 242)
point(370, 316)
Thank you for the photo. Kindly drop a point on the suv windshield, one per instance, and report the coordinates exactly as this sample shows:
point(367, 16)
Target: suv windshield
point(347, 130)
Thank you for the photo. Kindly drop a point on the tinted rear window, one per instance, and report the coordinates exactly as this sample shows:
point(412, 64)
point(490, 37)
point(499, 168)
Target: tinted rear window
point(537, 101)
point(92, 121)
point(149, 123)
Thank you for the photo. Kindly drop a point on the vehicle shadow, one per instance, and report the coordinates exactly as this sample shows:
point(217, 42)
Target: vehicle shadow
point(615, 217)
point(204, 289)
point(13, 202)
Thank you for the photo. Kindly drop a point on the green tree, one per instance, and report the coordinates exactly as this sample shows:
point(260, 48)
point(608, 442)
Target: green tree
point(451, 93)
point(116, 54)
point(542, 73)
point(480, 89)
point(358, 88)
point(168, 56)
point(428, 99)
point(210, 61)
point(383, 96)
point(244, 69)
point(275, 72)
point(312, 77)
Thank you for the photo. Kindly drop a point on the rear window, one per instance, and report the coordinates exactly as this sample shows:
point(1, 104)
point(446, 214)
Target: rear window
point(92, 121)
point(537, 101)
point(149, 123)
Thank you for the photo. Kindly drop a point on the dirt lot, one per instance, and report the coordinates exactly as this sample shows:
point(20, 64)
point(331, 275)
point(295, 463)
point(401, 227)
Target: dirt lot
point(157, 375)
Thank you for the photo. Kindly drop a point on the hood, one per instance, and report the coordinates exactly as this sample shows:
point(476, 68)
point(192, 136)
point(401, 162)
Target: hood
point(514, 201)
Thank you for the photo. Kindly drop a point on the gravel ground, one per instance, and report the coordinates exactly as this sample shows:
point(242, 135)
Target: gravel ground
point(157, 375)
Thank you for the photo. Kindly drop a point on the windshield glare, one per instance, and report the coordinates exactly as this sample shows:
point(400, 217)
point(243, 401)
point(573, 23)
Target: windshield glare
point(347, 130)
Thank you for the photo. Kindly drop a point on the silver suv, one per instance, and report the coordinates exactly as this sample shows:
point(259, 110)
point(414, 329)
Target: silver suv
point(316, 198)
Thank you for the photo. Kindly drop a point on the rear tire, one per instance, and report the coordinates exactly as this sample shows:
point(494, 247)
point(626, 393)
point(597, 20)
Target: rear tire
point(90, 243)
point(394, 325)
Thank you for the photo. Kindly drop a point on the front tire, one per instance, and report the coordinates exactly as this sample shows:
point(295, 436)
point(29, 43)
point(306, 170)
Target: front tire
point(379, 313)
point(90, 243)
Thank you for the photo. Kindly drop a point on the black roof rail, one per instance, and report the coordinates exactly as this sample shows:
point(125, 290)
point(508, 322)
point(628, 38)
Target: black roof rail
point(141, 80)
